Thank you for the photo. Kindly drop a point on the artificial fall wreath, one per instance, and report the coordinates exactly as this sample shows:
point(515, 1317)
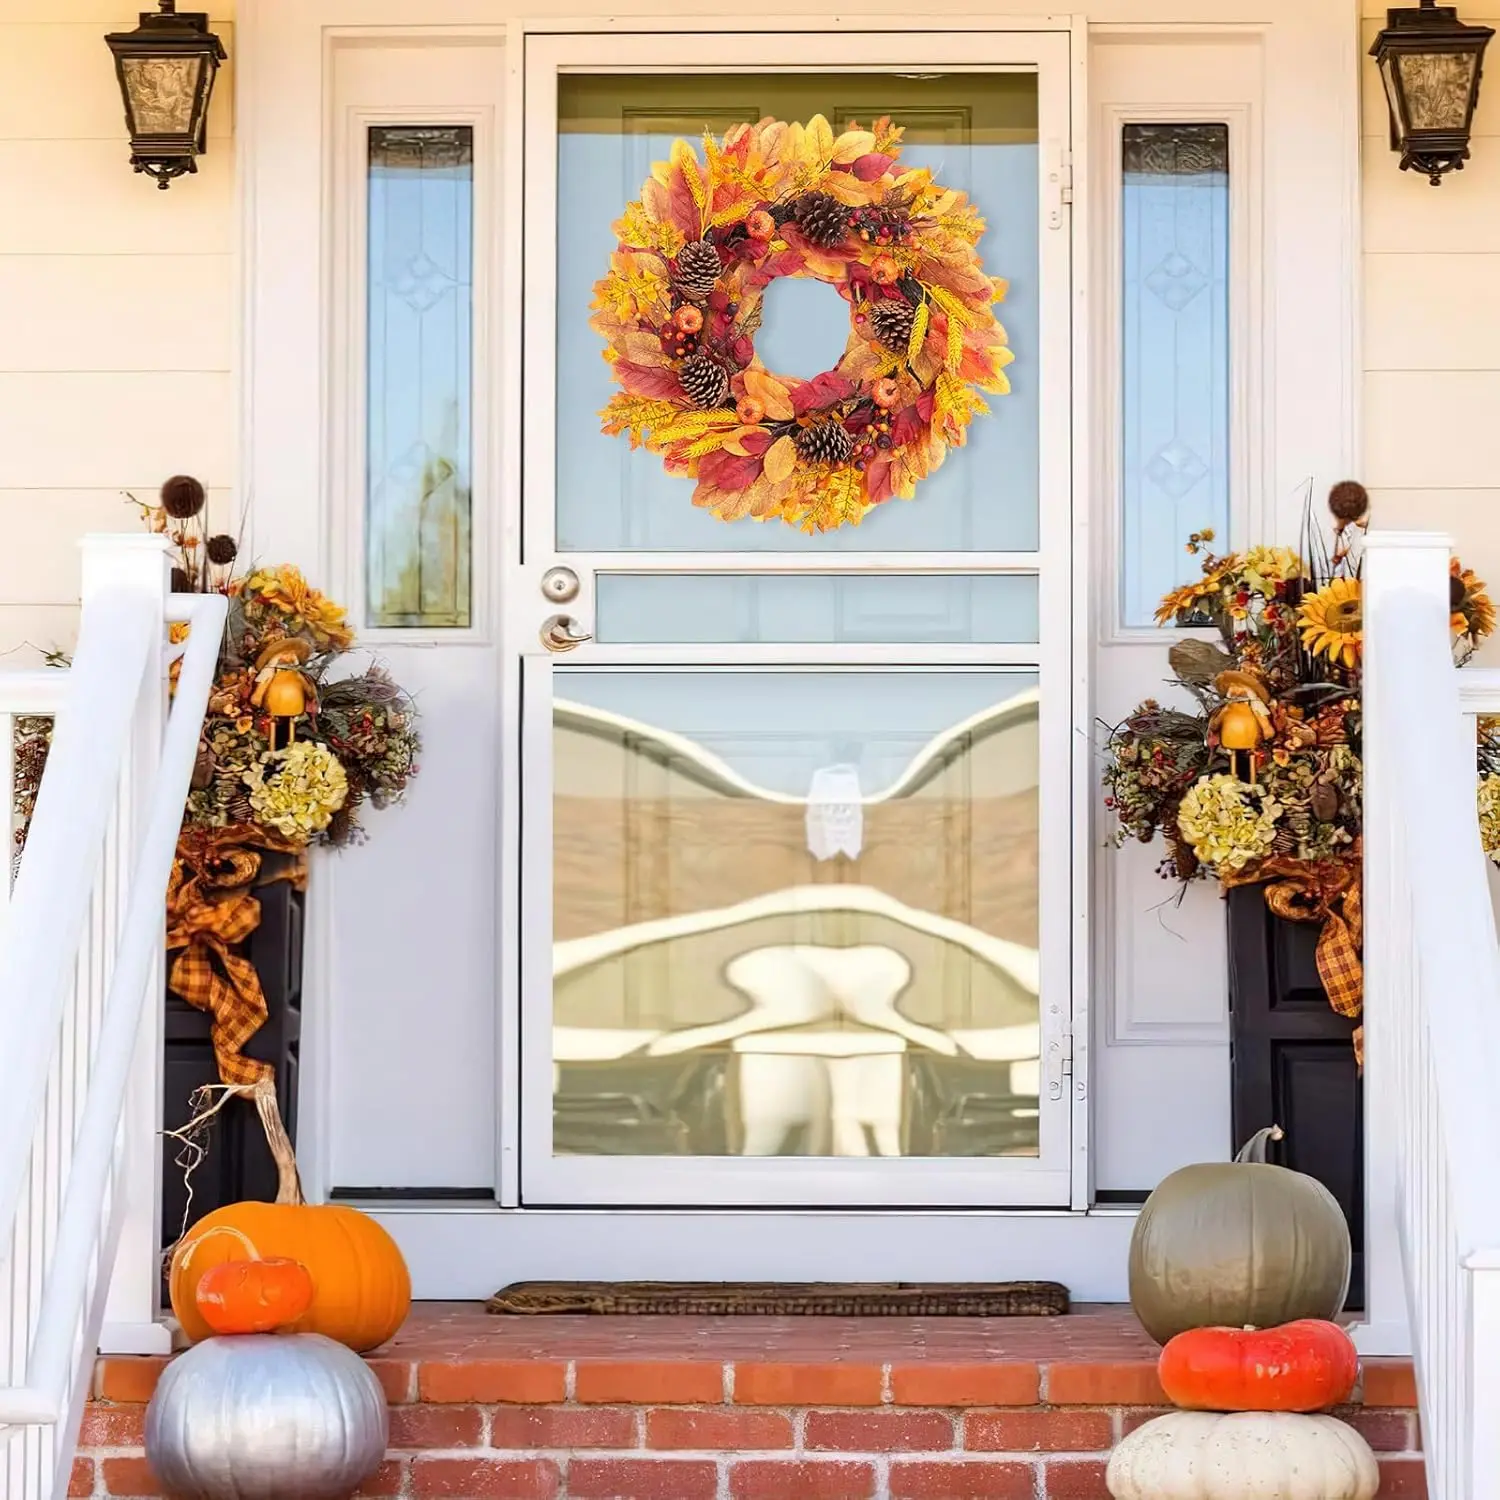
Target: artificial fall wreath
point(681, 304)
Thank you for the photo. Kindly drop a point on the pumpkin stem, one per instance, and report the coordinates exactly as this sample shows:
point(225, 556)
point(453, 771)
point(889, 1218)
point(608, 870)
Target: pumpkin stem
point(289, 1181)
point(1253, 1151)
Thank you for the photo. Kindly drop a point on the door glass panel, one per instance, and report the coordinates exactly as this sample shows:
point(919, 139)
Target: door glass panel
point(976, 132)
point(1175, 340)
point(718, 608)
point(419, 336)
point(795, 913)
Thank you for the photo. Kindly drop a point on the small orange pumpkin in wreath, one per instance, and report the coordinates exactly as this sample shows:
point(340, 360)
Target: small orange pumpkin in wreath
point(682, 301)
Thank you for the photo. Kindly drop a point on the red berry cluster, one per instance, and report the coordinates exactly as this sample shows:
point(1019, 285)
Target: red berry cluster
point(878, 226)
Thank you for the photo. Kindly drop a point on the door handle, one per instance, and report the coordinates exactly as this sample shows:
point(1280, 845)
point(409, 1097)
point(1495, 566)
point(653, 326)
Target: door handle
point(561, 633)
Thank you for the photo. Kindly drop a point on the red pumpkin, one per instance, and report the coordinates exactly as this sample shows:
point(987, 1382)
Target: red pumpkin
point(1298, 1367)
point(253, 1296)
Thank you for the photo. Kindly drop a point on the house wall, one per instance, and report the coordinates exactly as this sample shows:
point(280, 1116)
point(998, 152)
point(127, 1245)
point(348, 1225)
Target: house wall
point(117, 304)
point(116, 310)
point(1432, 328)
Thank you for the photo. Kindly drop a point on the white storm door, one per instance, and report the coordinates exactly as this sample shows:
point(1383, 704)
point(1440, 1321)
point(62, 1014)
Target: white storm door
point(797, 852)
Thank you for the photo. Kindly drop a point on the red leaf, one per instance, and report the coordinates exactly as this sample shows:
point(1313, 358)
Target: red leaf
point(827, 389)
point(908, 427)
point(756, 443)
point(878, 480)
point(743, 351)
point(924, 406)
point(728, 471)
point(639, 380)
point(873, 165)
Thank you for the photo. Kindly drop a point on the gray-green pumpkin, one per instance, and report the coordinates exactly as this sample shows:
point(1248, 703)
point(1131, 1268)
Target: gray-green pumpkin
point(1238, 1244)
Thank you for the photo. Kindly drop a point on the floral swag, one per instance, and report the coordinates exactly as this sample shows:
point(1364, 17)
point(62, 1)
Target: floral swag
point(1253, 775)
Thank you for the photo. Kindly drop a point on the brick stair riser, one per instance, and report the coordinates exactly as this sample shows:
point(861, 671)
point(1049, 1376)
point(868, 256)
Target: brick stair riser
point(700, 1431)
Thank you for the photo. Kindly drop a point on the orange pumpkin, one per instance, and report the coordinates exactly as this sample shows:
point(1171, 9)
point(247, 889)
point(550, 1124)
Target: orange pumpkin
point(253, 1296)
point(361, 1287)
point(1298, 1367)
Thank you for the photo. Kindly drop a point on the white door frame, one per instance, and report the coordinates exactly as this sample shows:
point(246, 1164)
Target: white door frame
point(526, 1077)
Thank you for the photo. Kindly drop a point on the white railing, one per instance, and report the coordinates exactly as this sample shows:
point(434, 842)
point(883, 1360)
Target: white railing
point(1433, 1005)
point(81, 937)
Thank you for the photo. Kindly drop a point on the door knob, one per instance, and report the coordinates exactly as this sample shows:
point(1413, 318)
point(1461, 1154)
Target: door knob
point(560, 585)
point(561, 633)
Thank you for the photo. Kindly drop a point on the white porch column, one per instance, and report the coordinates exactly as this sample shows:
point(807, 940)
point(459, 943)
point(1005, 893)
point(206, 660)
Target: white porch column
point(1393, 560)
point(132, 1314)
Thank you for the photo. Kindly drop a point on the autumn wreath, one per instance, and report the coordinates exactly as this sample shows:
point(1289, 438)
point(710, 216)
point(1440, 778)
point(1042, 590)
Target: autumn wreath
point(681, 304)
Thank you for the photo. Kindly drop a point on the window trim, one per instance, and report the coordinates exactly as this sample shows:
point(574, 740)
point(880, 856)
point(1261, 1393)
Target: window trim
point(347, 390)
point(1249, 420)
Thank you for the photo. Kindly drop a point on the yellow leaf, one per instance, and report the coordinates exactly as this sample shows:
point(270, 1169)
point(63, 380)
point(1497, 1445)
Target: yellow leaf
point(643, 349)
point(685, 161)
point(819, 140)
point(781, 459)
point(955, 354)
point(852, 145)
point(771, 394)
point(918, 331)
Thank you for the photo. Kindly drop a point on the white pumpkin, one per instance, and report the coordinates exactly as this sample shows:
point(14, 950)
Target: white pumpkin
point(1199, 1455)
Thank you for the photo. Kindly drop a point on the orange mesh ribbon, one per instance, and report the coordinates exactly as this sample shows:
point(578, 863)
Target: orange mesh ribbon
point(210, 914)
point(1329, 894)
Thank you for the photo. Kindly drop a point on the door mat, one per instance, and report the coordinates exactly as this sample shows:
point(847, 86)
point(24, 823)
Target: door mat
point(826, 1299)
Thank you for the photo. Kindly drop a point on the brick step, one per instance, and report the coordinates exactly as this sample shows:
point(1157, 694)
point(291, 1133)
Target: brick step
point(752, 1409)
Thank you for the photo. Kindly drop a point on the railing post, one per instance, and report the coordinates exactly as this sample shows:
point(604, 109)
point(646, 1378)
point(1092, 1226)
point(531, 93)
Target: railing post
point(1393, 560)
point(132, 1316)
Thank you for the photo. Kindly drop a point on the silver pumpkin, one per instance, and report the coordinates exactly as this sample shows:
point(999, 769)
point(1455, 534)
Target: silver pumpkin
point(266, 1417)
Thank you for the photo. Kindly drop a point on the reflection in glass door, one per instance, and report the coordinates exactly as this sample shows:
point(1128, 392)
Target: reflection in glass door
point(795, 882)
point(795, 913)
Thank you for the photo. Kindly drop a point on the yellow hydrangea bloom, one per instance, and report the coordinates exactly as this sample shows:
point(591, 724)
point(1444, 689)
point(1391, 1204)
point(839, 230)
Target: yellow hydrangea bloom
point(296, 791)
point(1228, 823)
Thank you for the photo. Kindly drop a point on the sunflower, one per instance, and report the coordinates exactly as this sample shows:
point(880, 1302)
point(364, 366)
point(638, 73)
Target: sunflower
point(1185, 601)
point(286, 590)
point(1473, 609)
point(1331, 621)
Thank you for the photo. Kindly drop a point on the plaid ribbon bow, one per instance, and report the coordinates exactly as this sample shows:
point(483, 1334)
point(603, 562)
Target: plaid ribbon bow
point(1328, 893)
point(210, 913)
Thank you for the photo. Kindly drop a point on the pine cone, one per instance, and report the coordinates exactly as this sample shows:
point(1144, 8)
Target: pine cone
point(704, 382)
point(827, 443)
point(822, 219)
point(892, 322)
point(698, 269)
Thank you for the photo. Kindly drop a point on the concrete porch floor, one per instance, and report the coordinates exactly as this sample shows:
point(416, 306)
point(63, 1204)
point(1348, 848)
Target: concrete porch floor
point(669, 1408)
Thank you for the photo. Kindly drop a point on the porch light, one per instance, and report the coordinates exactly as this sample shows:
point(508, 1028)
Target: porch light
point(1430, 63)
point(166, 68)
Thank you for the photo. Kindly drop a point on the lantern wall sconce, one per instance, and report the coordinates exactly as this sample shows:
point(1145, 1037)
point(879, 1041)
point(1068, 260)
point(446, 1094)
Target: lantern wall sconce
point(1430, 63)
point(166, 69)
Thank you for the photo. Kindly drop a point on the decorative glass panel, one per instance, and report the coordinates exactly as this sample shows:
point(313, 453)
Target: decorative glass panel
point(976, 132)
point(1175, 375)
point(1437, 86)
point(418, 562)
point(162, 92)
point(795, 913)
point(741, 608)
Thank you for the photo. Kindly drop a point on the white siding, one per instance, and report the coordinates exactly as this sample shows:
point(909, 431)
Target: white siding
point(116, 304)
point(1432, 330)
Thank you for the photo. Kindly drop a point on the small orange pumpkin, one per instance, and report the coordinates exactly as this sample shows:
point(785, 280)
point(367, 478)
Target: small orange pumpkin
point(361, 1287)
point(1299, 1367)
point(253, 1296)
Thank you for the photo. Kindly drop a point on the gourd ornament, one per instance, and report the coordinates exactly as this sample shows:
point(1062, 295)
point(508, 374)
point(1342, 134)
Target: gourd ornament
point(1194, 1455)
point(361, 1287)
point(253, 1296)
point(1300, 1367)
point(1237, 1244)
point(266, 1416)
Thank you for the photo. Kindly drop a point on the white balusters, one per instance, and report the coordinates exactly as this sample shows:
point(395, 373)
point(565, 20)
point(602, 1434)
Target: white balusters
point(80, 949)
point(1432, 1007)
